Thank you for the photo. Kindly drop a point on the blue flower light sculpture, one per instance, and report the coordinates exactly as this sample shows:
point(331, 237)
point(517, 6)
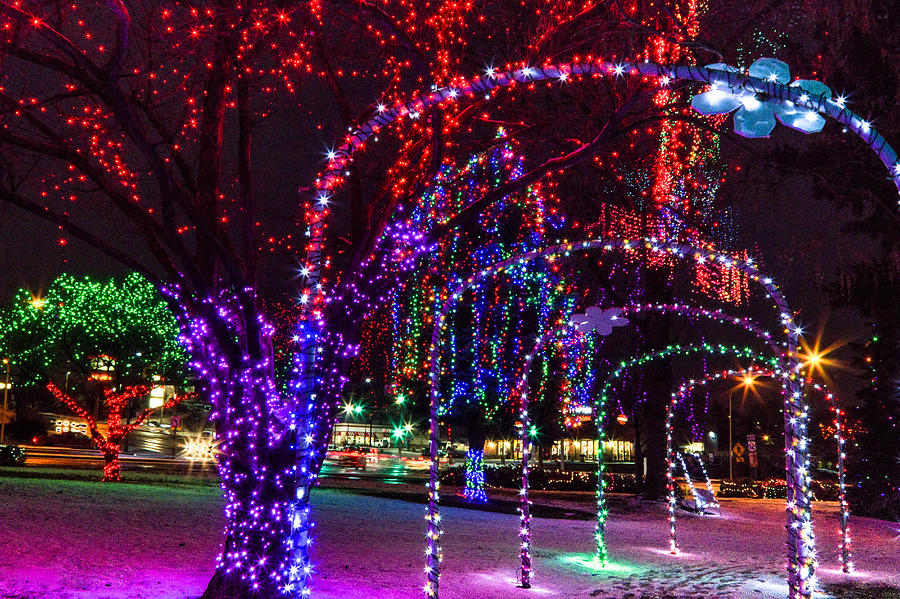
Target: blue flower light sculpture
point(598, 320)
point(756, 115)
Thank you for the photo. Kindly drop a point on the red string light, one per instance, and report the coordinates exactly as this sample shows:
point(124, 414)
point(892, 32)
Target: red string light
point(116, 402)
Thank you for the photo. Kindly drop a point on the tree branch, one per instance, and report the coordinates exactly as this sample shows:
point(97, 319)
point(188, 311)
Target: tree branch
point(585, 152)
point(88, 238)
point(147, 411)
point(123, 26)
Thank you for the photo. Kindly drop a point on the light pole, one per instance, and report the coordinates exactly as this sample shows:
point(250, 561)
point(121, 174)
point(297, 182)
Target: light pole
point(730, 446)
point(746, 382)
point(5, 397)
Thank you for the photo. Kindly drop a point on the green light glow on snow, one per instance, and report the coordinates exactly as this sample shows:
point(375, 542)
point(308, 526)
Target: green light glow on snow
point(590, 562)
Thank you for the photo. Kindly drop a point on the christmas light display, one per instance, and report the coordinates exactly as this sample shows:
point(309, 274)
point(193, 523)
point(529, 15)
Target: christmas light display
point(720, 316)
point(602, 322)
point(583, 403)
point(752, 374)
point(492, 329)
point(716, 315)
point(116, 402)
point(132, 111)
point(252, 398)
point(800, 538)
point(80, 318)
point(668, 222)
point(756, 118)
point(801, 561)
point(709, 485)
point(846, 554)
point(673, 189)
point(474, 489)
point(593, 320)
point(602, 512)
point(670, 351)
point(700, 504)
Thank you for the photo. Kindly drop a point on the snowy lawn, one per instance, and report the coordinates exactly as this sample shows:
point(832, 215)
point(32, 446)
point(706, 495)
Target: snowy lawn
point(65, 539)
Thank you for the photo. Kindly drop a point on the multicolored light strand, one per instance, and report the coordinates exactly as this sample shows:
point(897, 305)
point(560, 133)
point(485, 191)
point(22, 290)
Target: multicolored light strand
point(474, 489)
point(524, 416)
point(670, 351)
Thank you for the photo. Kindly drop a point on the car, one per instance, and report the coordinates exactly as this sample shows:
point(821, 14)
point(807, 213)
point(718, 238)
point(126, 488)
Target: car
point(69, 439)
point(354, 457)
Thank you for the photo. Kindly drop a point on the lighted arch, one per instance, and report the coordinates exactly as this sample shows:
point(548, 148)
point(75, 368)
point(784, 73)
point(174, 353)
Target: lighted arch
point(672, 350)
point(799, 531)
point(522, 390)
point(686, 388)
point(800, 566)
point(333, 176)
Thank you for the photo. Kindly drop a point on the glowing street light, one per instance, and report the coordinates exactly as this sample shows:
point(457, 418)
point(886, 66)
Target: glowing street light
point(351, 409)
point(401, 433)
point(813, 359)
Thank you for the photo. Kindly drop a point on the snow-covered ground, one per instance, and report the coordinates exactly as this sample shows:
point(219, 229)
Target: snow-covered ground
point(80, 540)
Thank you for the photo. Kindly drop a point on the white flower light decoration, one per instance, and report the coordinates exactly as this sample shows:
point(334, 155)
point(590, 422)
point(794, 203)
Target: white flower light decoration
point(598, 320)
point(756, 116)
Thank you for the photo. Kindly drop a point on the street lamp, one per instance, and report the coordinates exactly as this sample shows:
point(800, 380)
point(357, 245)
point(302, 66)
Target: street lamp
point(351, 410)
point(401, 432)
point(747, 382)
point(5, 398)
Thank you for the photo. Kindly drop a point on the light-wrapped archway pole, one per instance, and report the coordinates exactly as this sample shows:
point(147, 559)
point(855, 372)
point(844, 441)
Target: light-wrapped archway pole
point(596, 320)
point(603, 323)
point(800, 540)
point(685, 389)
point(334, 175)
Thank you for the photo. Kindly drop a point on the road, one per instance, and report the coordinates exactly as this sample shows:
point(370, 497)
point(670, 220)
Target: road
point(389, 469)
point(65, 457)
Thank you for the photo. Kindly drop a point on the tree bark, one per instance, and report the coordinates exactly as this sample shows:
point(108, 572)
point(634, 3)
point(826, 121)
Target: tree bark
point(658, 384)
point(112, 469)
